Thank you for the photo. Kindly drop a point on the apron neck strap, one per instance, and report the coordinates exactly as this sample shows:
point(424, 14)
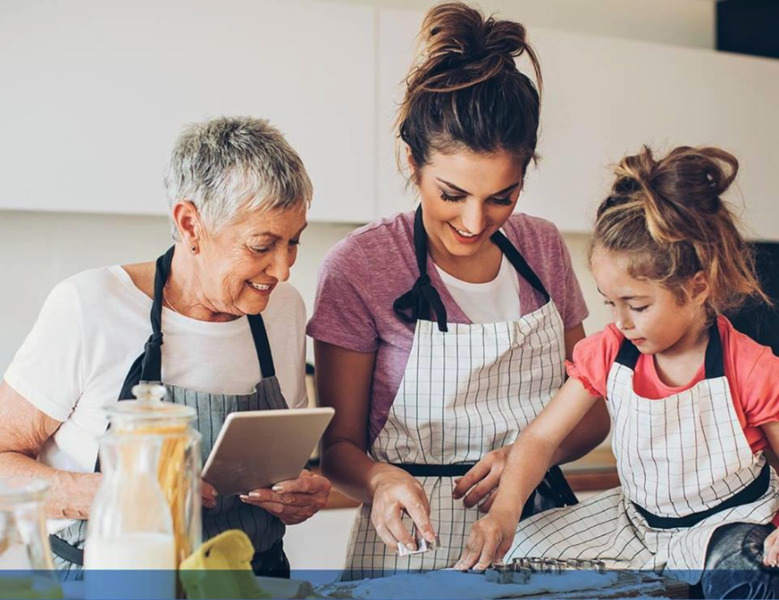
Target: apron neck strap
point(519, 263)
point(713, 368)
point(714, 364)
point(262, 345)
point(416, 303)
point(420, 299)
point(148, 366)
point(151, 367)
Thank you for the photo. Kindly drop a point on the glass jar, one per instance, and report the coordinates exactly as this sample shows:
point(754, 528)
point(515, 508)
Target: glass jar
point(26, 569)
point(179, 461)
point(130, 527)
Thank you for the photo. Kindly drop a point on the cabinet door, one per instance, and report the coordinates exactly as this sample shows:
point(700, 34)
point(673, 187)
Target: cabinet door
point(605, 97)
point(94, 94)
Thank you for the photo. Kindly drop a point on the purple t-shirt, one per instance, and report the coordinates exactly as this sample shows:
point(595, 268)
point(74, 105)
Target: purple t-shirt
point(363, 274)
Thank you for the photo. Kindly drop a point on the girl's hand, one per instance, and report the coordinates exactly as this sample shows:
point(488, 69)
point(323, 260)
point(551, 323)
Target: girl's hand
point(293, 501)
point(771, 549)
point(489, 540)
point(482, 480)
point(207, 494)
point(398, 492)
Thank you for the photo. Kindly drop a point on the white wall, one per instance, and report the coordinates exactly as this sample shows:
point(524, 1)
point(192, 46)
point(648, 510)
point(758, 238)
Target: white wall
point(39, 248)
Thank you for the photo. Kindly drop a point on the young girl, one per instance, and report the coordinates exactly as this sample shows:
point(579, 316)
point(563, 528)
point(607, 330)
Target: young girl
point(693, 402)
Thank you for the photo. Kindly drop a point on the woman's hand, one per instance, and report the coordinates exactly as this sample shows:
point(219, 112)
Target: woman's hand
point(295, 500)
point(398, 492)
point(771, 549)
point(489, 540)
point(207, 494)
point(482, 480)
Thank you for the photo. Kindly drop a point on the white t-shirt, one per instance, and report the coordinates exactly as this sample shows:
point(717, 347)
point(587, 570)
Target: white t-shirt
point(94, 325)
point(496, 301)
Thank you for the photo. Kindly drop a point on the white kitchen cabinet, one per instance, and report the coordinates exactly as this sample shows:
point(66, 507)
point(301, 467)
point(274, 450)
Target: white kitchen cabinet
point(605, 97)
point(94, 94)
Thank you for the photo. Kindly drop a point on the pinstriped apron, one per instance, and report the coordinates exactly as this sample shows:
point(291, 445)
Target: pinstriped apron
point(686, 469)
point(466, 390)
point(264, 529)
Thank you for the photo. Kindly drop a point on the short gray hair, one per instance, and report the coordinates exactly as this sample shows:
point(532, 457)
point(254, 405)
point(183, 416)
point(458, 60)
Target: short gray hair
point(231, 163)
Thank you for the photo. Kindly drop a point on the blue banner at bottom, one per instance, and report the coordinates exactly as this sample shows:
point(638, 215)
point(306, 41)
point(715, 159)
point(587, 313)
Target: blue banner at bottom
point(573, 584)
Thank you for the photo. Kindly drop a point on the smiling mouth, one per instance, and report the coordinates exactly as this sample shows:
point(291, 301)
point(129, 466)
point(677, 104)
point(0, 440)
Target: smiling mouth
point(465, 235)
point(260, 286)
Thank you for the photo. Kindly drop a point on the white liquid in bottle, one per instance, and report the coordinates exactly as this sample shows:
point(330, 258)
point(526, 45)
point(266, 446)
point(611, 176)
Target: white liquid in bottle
point(131, 551)
point(139, 552)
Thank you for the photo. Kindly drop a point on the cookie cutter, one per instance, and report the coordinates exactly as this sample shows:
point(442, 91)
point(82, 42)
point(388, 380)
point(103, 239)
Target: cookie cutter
point(422, 546)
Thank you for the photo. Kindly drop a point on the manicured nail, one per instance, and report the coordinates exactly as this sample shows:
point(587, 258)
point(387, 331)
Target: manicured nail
point(244, 498)
point(411, 546)
point(254, 494)
point(277, 488)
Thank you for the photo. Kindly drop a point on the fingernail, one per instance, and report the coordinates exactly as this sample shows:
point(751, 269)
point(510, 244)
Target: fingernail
point(277, 488)
point(411, 546)
point(254, 494)
point(244, 498)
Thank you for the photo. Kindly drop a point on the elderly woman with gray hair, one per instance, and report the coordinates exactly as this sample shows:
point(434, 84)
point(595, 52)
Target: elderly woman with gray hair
point(238, 194)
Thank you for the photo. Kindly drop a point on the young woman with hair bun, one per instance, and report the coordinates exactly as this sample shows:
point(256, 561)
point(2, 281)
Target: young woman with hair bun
point(441, 333)
point(694, 403)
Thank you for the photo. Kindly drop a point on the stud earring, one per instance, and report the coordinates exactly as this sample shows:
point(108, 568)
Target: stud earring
point(194, 249)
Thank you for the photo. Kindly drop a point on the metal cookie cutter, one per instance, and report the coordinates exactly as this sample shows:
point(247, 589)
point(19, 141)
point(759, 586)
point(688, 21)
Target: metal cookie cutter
point(584, 564)
point(422, 546)
point(502, 573)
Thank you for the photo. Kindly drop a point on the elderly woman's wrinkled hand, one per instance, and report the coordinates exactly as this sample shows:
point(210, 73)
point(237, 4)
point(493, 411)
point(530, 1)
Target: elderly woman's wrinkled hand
point(295, 500)
point(207, 494)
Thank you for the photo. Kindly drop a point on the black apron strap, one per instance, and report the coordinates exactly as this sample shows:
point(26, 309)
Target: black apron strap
point(628, 354)
point(66, 551)
point(554, 486)
point(425, 470)
point(751, 493)
point(519, 263)
point(420, 299)
point(262, 346)
point(714, 364)
point(148, 366)
point(416, 303)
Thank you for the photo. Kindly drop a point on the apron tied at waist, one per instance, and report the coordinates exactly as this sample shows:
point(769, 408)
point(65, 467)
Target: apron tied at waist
point(749, 494)
point(553, 486)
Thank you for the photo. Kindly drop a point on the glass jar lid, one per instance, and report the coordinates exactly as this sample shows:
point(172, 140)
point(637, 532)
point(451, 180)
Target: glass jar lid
point(149, 409)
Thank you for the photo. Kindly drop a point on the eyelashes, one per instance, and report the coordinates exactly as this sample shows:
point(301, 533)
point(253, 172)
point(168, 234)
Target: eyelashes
point(451, 198)
point(292, 244)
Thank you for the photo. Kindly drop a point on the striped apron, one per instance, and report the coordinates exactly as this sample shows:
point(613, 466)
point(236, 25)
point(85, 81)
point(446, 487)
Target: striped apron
point(466, 390)
point(685, 467)
point(264, 529)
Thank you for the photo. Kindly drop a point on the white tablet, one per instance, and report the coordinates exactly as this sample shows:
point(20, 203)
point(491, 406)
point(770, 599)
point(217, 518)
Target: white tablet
point(258, 448)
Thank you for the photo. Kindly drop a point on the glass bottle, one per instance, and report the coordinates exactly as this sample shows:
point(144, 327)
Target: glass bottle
point(130, 526)
point(179, 462)
point(26, 569)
